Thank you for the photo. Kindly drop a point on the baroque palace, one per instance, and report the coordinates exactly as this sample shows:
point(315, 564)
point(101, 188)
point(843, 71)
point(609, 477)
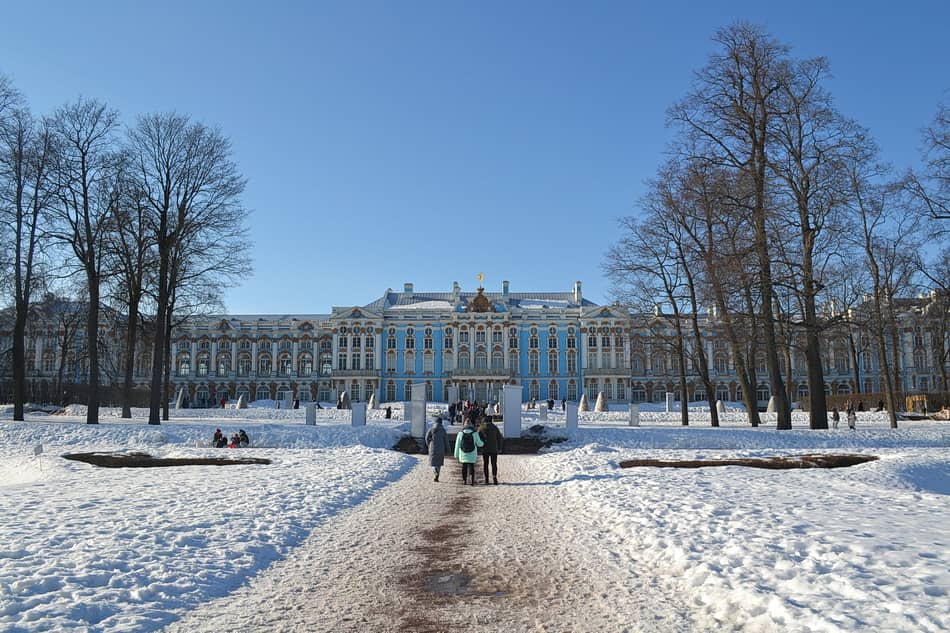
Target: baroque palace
point(556, 345)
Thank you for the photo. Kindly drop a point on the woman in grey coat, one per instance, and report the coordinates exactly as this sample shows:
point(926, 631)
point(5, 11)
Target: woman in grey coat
point(437, 443)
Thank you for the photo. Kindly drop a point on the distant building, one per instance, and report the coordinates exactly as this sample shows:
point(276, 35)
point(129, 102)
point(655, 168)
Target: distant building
point(556, 345)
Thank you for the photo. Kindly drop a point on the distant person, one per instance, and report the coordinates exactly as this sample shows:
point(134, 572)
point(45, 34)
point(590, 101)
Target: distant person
point(437, 445)
point(467, 443)
point(563, 404)
point(296, 403)
point(243, 440)
point(880, 405)
point(493, 442)
point(216, 440)
point(318, 405)
point(860, 405)
point(389, 412)
point(235, 441)
point(224, 402)
point(835, 418)
point(852, 416)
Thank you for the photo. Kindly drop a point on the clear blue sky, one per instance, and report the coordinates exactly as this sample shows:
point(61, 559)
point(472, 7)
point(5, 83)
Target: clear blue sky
point(428, 141)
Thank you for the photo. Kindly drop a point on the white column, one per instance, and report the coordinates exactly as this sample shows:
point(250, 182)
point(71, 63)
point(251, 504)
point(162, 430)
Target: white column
point(336, 343)
point(213, 362)
point(273, 357)
point(39, 353)
point(295, 349)
point(234, 357)
point(194, 357)
point(254, 361)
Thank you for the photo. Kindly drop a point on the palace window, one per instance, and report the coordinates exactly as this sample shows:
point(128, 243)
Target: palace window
point(427, 341)
point(463, 360)
point(355, 361)
point(762, 393)
point(448, 363)
point(621, 390)
point(262, 393)
point(203, 362)
point(534, 390)
point(244, 364)
point(591, 340)
point(572, 390)
point(224, 364)
point(263, 365)
point(370, 360)
point(496, 336)
point(284, 364)
point(410, 338)
point(481, 360)
point(409, 363)
point(513, 361)
point(638, 394)
point(390, 391)
point(533, 363)
point(428, 363)
point(592, 359)
point(463, 336)
point(552, 390)
point(306, 365)
point(480, 336)
point(552, 363)
point(497, 360)
point(341, 361)
point(572, 361)
point(533, 339)
point(326, 363)
point(184, 364)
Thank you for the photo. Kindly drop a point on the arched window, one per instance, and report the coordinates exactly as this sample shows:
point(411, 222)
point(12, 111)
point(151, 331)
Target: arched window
point(428, 363)
point(763, 393)
point(448, 362)
point(184, 364)
point(407, 391)
point(621, 390)
point(224, 364)
point(409, 363)
point(244, 364)
point(920, 360)
point(263, 364)
point(638, 394)
point(572, 390)
point(481, 359)
point(356, 394)
point(571, 361)
point(513, 361)
point(533, 363)
point(463, 360)
point(659, 364)
point(284, 363)
point(552, 363)
point(721, 363)
point(497, 359)
point(722, 393)
point(305, 364)
point(390, 391)
point(263, 393)
point(533, 339)
point(370, 360)
point(534, 390)
point(326, 363)
point(204, 360)
point(391, 362)
point(552, 390)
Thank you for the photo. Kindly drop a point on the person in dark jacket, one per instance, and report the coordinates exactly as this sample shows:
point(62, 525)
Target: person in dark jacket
point(244, 440)
point(493, 444)
point(437, 445)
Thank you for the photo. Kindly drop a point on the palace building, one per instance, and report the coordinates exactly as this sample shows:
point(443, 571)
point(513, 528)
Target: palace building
point(556, 345)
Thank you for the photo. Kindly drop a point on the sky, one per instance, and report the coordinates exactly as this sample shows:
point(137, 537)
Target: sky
point(430, 141)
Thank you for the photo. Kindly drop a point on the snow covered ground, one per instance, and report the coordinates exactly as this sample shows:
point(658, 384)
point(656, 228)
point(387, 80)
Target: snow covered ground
point(863, 548)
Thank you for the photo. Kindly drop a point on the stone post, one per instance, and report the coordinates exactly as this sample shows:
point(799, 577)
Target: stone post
point(634, 414)
point(669, 402)
point(358, 413)
point(417, 410)
point(512, 410)
point(542, 412)
point(571, 423)
point(311, 413)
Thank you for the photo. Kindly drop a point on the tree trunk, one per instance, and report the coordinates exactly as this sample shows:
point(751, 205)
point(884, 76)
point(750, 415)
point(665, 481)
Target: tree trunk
point(92, 349)
point(19, 366)
point(131, 337)
point(818, 409)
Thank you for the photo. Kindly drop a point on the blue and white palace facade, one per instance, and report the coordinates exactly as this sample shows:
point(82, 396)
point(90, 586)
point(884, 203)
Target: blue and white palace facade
point(555, 345)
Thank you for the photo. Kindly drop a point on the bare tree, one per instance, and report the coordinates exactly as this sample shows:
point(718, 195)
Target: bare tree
point(932, 187)
point(132, 258)
point(26, 153)
point(192, 189)
point(728, 116)
point(86, 173)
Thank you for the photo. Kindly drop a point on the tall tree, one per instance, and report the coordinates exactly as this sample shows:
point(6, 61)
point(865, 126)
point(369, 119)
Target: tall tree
point(85, 172)
point(728, 116)
point(937, 274)
point(26, 153)
point(132, 257)
point(192, 188)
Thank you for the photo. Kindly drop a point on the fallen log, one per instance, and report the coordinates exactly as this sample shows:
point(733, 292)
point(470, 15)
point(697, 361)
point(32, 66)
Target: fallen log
point(772, 463)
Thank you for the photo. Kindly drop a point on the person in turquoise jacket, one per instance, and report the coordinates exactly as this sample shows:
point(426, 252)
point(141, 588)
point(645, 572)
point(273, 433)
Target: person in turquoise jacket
point(468, 438)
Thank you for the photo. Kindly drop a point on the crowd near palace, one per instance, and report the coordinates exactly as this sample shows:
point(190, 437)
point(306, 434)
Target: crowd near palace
point(556, 345)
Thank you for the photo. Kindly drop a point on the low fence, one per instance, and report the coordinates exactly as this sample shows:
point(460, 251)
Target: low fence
point(906, 401)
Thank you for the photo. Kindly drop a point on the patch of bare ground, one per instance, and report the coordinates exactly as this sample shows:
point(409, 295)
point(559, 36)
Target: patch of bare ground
point(144, 460)
point(772, 463)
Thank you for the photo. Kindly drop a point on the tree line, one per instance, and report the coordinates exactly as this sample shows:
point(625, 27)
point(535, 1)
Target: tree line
point(147, 219)
point(774, 211)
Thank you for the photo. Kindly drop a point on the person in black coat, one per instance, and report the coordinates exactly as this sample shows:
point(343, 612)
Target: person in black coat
point(494, 442)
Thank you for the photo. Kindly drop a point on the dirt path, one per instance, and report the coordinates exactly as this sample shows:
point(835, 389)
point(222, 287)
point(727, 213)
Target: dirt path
point(430, 557)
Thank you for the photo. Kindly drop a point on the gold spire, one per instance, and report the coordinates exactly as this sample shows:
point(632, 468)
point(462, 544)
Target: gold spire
point(481, 277)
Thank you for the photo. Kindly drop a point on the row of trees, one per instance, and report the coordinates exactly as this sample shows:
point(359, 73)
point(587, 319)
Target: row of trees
point(775, 210)
point(148, 219)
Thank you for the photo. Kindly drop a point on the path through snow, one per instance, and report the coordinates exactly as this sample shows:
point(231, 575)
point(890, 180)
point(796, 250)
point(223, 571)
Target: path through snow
point(422, 556)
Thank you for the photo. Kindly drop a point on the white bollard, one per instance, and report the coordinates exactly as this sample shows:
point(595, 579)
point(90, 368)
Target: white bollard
point(358, 411)
point(311, 414)
point(669, 402)
point(571, 423)
point(634, 414)
point(542, 412)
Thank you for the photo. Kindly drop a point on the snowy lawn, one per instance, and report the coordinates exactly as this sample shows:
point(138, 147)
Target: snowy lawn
point(861, 548)
point(851, 549)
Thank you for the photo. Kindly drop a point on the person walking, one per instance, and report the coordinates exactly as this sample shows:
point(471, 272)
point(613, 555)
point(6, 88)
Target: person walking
point(493, 444)
point(852, 416)
point(437, 444)
point(467, 443)
point(835, 418)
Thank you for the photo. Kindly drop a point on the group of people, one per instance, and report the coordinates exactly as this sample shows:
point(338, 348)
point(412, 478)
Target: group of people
point(237, 440)
point(487, 440)
point(468, 411)
point(850, 413)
